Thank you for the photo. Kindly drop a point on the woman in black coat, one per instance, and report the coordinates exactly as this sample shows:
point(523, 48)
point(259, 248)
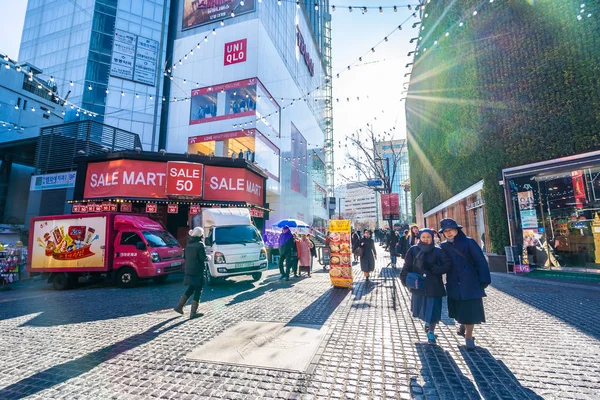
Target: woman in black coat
point(369, 254)
point(195, 257)
point(466, 280)
point(430, 262)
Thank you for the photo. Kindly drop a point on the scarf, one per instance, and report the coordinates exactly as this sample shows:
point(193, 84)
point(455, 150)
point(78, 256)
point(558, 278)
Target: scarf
point(420, 258)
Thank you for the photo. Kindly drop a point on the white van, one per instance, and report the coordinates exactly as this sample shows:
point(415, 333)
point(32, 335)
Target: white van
point(234, 246)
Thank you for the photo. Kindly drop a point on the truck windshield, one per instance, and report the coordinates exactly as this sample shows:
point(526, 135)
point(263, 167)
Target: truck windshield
point(240, 234)
point(160, 239)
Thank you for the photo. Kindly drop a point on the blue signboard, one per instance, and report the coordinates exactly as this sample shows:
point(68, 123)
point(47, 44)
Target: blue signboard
point(375, 182)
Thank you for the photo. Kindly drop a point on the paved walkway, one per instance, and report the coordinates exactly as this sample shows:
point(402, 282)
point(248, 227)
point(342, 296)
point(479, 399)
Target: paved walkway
point(100, 342)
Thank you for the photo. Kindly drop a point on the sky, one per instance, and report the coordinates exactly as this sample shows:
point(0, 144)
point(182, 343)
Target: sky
point(373, 86)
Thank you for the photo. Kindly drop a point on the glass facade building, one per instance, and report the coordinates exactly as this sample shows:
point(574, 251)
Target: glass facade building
point(77, 43)
point(396, 151)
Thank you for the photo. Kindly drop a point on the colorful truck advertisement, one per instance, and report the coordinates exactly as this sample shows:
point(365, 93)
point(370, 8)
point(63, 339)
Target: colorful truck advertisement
point(73, 242)
point(340, 259)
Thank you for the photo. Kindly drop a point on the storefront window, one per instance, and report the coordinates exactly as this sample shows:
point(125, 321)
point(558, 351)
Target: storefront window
point(553, 217)
point(238, 99)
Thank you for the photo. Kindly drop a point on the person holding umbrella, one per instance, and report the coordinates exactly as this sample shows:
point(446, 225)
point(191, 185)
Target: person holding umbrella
point(286, 245)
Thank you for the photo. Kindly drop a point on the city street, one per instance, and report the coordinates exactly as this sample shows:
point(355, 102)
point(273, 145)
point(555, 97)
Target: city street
point(542, 340)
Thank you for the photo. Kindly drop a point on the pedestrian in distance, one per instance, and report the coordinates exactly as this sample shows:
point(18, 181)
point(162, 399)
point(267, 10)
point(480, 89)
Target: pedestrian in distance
point(293, 260)
point(304, 257)
point(393, 239)
point(429, 263)
point(313, 250)
point(368, 254)
point(286, 243)
point(466, 281)
point(403, 243)
point(195, 259)
point(355, 241)
point(413, 237)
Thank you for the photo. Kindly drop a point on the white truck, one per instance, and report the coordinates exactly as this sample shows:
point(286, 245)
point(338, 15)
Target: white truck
point(234, 246)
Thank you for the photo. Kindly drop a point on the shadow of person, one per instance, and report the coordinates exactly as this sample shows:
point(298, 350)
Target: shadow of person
point(319, 311)
point(443, 379)
point(363, 288)
point(270, 285)
point(493, 378)
point(63, 372)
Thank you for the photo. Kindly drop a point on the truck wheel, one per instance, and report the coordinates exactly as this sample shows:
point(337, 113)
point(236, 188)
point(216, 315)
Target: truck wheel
point(126, 277)
point(256, 276)
point(160, 279)
point(60, 281)
point(209, 279)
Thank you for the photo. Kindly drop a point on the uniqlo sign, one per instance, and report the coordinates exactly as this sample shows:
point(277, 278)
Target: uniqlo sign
point(235, 52)
point(184, 179)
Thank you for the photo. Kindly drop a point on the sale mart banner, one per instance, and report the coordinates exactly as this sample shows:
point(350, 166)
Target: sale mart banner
point(340, 259)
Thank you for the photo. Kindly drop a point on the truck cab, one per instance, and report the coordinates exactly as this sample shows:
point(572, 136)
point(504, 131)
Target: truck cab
point(235, 247)
point(144, 249)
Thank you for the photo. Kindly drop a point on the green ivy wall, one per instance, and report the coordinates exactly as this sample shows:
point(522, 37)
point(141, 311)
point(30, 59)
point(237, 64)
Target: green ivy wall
point(517, 83)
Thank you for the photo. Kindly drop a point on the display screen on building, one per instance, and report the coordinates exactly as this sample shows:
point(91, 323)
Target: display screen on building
point(230, 100)
point(299, 157)
point(201, 12)
point(134, 58)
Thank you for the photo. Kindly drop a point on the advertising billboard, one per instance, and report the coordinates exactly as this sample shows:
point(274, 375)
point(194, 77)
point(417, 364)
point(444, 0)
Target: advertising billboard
point(340, 256)
point(74, 242)
point(201, 12)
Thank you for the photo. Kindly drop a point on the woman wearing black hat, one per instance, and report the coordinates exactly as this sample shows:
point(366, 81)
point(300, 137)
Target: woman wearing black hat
point(466, 280)
point(430, 263)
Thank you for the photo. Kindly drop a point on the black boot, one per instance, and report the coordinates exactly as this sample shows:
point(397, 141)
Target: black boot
point(193, 313)
point(182, 301)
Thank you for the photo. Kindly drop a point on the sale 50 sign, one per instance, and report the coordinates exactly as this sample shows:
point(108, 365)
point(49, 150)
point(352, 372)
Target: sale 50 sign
point(184, 179)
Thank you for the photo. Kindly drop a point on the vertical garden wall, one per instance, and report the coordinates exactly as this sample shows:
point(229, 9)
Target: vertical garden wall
point(499, 84)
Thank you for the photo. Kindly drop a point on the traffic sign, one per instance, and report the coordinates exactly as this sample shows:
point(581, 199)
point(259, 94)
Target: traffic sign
point(375, 182)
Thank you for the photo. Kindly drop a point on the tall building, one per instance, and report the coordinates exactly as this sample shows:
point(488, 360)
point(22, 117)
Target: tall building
point(104, 57)
point(249, 79)
point(396, 151)
point(361, 206)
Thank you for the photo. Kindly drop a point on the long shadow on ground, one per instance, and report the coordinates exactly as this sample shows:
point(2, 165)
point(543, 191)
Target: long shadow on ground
point(63, 372)
point(443, 379)
point(493, 378)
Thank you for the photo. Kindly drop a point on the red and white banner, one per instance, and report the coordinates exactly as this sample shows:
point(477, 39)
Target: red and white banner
point(151, 208)
point(125, 178)
point(255, 212)
point(184, 179)
point(578, 188)
point(235, 52)
point(172, 208)
point(76, 208)
point(222, 136)
point(194, 209)
point(224, 86)
point(126, 207)
point(233, 184)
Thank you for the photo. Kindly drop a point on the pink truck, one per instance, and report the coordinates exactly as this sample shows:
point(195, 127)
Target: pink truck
point(124, 247)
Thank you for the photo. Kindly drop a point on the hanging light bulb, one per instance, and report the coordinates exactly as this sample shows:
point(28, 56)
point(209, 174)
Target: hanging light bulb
point(242, 3)
point(206, 37)
point(297, 4)
point(106, 91)
point(350, 9)
point(232, 14)
point(278, 2)
point(316, 7)
point(214, 31)
point(122, 93)
point(89, 87)
point(19, 69)
point(223, 23)
point(33, 109)
point(16, 106)
point(137, 96)
point(71, 83)
point(380, 9)
point(51, 79)
point(150, 97)
point(63, 112)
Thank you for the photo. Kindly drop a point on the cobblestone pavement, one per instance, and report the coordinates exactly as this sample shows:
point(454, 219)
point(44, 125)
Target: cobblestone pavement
point(100, 342)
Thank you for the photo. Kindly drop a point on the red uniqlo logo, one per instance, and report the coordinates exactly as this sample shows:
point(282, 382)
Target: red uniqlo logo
point(235, 52)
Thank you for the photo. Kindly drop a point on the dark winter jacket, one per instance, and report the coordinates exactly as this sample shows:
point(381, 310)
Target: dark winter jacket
point(402, 246)
point(355, 240)
point(435, 264)
point(392, 241)
point(470, 273)
point(368, 248)
point(195, 257)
